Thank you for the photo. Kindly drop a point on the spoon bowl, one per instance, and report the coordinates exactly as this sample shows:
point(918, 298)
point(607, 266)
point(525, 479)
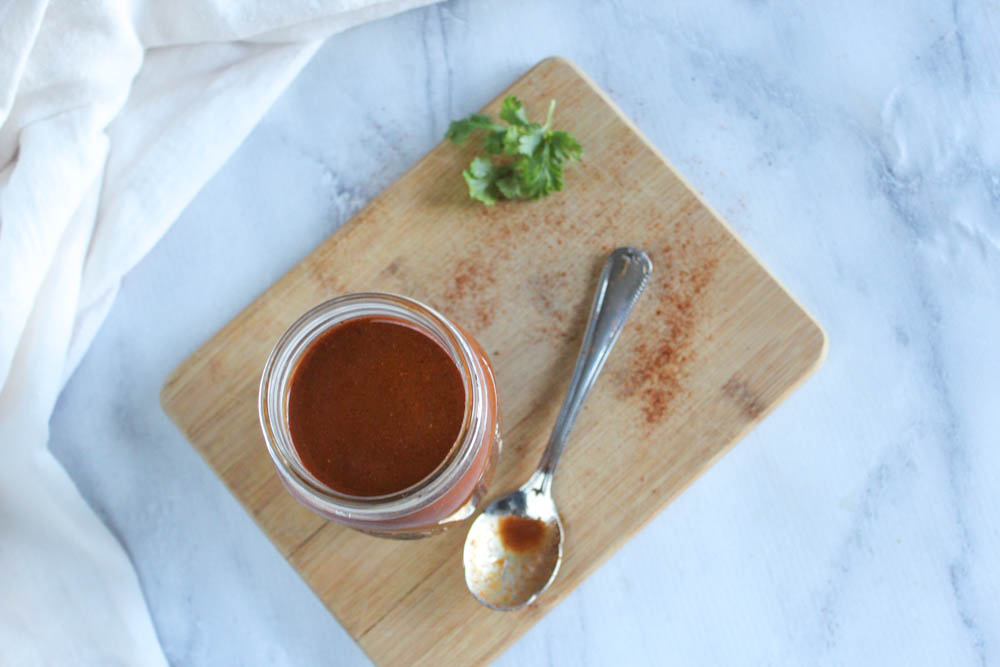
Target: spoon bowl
point(513, 550)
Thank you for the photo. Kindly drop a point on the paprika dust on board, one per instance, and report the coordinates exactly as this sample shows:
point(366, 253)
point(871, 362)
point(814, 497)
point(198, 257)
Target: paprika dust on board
point(374, 406)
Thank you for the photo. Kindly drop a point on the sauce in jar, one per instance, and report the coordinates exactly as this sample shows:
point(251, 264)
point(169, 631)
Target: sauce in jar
point(374, 407)
point(381, 414)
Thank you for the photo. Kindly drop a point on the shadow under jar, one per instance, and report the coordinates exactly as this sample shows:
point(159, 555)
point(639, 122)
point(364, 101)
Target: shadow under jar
point(381, 414)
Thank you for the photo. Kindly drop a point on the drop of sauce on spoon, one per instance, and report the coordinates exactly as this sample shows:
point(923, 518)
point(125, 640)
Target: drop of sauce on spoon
point(521, 534)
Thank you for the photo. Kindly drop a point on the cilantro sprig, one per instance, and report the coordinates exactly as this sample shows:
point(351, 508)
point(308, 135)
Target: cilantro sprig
point(531, 156)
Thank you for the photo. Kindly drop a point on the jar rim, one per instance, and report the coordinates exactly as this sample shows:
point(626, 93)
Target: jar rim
point(273, 400)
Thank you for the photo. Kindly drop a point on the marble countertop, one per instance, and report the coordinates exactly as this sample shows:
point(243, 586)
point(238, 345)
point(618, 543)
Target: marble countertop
point(853, 146)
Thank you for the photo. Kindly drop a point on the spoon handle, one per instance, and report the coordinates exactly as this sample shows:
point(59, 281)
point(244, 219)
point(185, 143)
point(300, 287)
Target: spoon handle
point(622, 281)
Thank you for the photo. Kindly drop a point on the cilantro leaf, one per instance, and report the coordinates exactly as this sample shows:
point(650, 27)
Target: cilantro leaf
point(481, 177)
point(493, 143)
point(512, 111)
point(460, 130)
point(533, 154)
point(511, 139)
point(529, 142)
point(510, 185)
point(565, 147)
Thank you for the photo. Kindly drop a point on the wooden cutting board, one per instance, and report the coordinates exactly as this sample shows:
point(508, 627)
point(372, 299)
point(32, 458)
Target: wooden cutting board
point(713, 345)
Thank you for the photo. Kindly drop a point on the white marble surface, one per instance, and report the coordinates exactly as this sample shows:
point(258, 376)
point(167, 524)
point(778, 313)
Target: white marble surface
point(854, 147)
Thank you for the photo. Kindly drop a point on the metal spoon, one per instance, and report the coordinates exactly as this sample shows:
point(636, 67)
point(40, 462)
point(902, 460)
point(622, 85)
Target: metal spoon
point(514, 548)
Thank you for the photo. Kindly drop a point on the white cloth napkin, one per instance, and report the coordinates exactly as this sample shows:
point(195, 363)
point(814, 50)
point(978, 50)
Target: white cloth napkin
point(112, 116)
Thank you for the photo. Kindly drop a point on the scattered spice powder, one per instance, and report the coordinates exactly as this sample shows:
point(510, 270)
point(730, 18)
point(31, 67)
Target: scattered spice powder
point(546, 294)
point(659, 368)
point(472, 293)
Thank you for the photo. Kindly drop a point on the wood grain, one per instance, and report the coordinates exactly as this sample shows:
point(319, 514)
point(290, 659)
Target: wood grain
point(713, 345)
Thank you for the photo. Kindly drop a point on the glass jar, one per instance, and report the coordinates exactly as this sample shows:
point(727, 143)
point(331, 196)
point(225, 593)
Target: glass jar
point(455, 489)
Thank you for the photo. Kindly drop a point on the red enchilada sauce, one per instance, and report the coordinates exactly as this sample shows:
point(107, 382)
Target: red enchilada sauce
point(521, 533)
point(374, 407)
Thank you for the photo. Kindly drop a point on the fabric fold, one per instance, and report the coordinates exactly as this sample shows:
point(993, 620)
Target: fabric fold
point(113, 114)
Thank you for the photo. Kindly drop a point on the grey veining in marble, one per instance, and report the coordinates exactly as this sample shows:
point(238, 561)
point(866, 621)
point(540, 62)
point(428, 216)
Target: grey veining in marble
point(853, 146)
